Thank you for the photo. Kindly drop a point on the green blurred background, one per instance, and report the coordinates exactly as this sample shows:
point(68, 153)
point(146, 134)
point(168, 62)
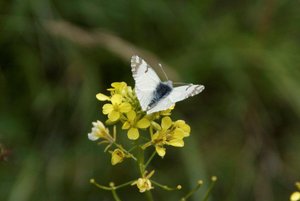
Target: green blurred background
point(56, 55)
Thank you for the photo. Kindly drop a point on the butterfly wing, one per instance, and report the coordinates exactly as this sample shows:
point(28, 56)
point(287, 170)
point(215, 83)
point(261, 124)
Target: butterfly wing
point(146, 80)
point(184, 92)
point(177, 94)
point(163, 104)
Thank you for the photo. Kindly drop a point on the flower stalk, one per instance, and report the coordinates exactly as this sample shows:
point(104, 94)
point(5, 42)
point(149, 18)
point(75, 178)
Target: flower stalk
point(210, 188)
point(189, 194)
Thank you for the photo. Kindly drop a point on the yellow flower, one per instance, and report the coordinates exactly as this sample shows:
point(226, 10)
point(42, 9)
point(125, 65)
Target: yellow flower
point(118, 88)
point(295, 196)
point(100, 131)
point(117, 156)
point(117, 107)
point(133, 123)
point(157, 115)
point(144, 183)
point(170, 134)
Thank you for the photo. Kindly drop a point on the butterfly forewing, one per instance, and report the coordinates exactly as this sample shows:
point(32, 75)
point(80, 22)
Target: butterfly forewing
point(146, 80)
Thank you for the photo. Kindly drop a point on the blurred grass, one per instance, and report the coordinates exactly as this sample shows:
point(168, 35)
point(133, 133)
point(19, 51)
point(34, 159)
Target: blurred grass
point(245, 125)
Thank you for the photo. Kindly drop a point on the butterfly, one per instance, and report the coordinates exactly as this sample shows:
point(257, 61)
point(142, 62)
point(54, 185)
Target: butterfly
point(155, 95)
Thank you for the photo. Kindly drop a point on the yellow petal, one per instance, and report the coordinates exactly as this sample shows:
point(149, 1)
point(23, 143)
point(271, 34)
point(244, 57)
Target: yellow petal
point(172, 107)
point(155, 136)
point(131, 116)
point(116, 99)
point(186, 128)
point(133, 133)
point(102, 97)
point(181, 124)
point(126, 125)
point(109, 122)
point(125, 107)
point(155, 125)
point(167, 112)
point(143, 123)
point(178, 133)
point(161, 151)
point(114, 115)
point(176, 143)
point(166, 123)
point(295, 196)
point(107, 108)
point(117, 156)
point(118, 85)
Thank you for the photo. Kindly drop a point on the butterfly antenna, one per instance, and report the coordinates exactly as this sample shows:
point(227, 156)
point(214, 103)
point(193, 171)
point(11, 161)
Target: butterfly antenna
point(163, 71)
point(181, 83)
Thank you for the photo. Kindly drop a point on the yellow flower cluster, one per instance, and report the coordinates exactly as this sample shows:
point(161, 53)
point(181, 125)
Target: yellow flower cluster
point(171, 133)
point(122, 107)
point(296, 195)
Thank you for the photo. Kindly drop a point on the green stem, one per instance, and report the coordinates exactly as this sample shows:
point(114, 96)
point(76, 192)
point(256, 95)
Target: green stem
point(149, 196)
point(119, 146)
point(115, 195)
point(140, 161)
point(151, 131)
point(132, 148)
point(125, 184)
point(192, 191)
point(127, 152)
point(115, 133)
point(92, 181)
point(150, 159)
point(110, 188)
point(167, 188)
point(146, 145)
point(213, 179)
point(141, 165)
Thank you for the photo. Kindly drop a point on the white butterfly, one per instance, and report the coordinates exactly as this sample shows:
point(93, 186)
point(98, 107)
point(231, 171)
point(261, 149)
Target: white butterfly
point(153, 94)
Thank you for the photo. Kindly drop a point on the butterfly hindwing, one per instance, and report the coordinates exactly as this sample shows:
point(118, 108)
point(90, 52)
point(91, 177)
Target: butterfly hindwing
point(163, 104)
point(184, 92)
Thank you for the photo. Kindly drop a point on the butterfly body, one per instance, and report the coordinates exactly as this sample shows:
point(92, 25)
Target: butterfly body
point(153, 94)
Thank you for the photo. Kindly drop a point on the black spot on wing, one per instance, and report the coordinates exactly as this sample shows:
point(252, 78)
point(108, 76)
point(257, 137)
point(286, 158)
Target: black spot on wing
point(161, 91)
